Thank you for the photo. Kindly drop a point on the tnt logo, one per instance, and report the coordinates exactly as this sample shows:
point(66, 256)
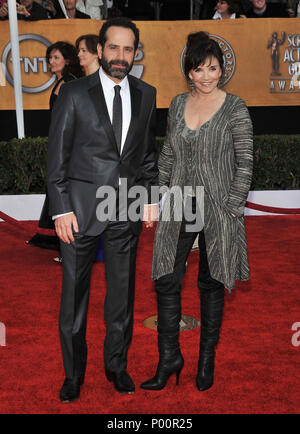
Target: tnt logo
point(2, 335)
point(296, 336)
point(2, 75)
point(34, 68)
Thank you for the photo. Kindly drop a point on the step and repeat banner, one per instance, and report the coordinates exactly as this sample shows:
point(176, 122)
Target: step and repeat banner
point(262, 58)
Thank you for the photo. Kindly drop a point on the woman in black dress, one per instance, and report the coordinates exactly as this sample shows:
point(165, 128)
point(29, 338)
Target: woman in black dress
point(64, 63)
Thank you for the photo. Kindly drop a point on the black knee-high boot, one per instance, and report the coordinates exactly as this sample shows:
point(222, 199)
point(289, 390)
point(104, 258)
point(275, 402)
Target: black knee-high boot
point(170, 357)
point(212, 303)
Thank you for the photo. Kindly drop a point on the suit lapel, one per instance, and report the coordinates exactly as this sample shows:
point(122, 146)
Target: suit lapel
point(97, 97)
point(136, 98)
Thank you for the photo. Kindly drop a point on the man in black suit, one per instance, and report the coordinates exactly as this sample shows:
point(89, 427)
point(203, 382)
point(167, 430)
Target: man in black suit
point(102, 134)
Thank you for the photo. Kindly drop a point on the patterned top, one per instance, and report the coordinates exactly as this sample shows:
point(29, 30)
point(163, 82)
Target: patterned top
point(217, 156)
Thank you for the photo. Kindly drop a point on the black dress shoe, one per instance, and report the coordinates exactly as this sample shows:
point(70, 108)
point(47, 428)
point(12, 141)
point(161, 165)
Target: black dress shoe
point(70, 390)
point(122, 381)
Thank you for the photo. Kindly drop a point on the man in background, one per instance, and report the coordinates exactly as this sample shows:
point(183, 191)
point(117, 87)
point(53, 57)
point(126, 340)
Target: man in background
point(264, 9)
point(71, 10)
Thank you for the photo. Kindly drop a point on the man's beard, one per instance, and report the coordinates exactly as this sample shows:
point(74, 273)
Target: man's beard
point(115, 72)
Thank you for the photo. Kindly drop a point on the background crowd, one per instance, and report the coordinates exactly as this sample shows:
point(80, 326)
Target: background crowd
point(31, 10)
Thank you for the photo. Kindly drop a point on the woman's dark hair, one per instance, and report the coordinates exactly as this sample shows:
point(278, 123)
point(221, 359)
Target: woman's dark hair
point(69, 53)
point(200, 47)
point(91, 42)
point(232, 6)
point(119, 22)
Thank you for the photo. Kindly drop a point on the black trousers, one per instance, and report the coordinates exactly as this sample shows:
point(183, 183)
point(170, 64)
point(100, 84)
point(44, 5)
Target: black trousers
point(171, 283)
point(120, 247)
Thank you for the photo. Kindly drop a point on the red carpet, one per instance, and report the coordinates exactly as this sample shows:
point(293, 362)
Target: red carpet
point(256, 365)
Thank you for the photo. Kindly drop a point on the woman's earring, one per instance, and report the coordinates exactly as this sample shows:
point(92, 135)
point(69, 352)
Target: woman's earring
point(191, 84)
point(221, 80)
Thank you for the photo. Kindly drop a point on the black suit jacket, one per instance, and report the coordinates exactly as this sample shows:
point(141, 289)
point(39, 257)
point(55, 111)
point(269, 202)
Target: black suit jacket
point(83, 153)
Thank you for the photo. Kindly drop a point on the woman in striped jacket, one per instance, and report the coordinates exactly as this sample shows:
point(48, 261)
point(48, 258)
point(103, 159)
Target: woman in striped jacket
point(208, 153)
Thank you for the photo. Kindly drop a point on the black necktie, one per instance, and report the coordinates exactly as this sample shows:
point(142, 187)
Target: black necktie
point(117, 116)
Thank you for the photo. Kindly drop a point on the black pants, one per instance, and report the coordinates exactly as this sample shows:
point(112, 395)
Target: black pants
point(120, 246)
point(171, 283)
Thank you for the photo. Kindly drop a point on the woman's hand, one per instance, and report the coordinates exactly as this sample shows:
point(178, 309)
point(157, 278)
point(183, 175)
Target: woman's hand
point(3, 10)
point(50, 7)
point(150, 215)
point(290, 12)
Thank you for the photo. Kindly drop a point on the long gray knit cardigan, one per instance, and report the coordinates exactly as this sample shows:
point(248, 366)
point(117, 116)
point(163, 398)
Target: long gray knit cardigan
point(222, 162)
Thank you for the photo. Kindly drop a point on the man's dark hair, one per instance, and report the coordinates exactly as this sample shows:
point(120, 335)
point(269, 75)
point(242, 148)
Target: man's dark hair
point(200, 47)
point(119, 22)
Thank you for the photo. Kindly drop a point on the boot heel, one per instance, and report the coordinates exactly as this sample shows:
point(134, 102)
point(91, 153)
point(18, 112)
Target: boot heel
point(177, 375)
point(108, 375)
point(163, 374)
point(81, 379)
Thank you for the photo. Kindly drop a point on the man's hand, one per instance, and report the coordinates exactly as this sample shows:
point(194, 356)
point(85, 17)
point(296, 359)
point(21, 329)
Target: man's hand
point(3, 10)
point(291, 12)
point(50, 7)
point(64, 226)
point(21, 10)
point(150, 215)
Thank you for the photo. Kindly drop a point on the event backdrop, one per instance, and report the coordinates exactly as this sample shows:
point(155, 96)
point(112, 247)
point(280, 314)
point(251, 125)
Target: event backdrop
point(262, 58)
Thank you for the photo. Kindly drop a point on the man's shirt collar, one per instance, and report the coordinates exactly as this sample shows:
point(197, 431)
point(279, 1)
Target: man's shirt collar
point(109, 84)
